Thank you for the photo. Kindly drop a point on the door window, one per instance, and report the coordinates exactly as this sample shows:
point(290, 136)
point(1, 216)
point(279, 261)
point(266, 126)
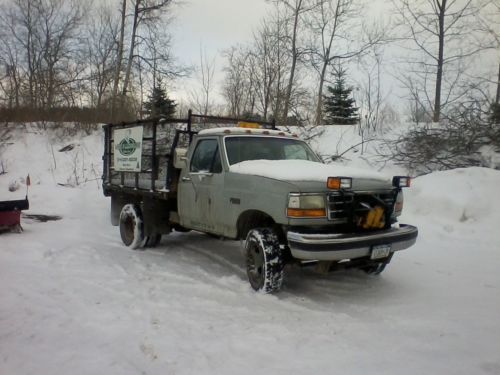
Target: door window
point(206, 157)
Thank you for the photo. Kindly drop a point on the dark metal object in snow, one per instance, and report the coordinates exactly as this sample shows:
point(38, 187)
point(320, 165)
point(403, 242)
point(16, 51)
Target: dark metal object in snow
point(67, 148)
point(42, 218)
point(10, 214)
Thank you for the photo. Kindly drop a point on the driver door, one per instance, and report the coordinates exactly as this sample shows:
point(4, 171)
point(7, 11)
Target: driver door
point(198, 183)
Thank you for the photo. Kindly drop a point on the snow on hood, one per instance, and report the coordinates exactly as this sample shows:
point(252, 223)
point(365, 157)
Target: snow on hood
point(301, 170)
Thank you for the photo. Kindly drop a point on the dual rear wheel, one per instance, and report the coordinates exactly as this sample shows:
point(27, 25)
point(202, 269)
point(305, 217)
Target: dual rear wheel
point(132, 228)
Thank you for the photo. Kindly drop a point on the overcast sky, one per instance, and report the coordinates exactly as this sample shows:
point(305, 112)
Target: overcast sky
point(213, 25)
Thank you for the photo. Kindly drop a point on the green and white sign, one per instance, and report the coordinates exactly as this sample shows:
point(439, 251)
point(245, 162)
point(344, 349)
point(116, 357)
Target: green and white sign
point(128, 149)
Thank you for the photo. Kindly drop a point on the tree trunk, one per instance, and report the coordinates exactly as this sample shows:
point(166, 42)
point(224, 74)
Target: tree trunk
point(30, 53)
point(440, 62)
point(497, 99)
point(119, 59)
point(326, 56)
point(131, 49)
point(294, 62)
point(319, 107)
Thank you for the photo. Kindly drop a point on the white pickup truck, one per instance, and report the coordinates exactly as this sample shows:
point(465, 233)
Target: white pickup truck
point(251, 182)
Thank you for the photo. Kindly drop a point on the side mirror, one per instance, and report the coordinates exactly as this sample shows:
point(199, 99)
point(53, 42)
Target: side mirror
point(180, 157)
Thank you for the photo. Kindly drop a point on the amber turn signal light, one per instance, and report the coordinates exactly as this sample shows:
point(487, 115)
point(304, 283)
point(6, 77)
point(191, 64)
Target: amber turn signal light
point(297, 212)
point(337, 183)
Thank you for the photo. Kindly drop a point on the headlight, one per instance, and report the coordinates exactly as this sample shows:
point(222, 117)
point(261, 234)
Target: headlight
point(306, 205)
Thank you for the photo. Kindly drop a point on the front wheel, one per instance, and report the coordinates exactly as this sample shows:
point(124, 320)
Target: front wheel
point(264, 260)
point(131, 226)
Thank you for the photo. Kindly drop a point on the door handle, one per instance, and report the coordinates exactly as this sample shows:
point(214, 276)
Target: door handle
point(186, 179)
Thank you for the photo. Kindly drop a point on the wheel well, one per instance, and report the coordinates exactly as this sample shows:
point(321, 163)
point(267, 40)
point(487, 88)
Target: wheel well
point(252, 219)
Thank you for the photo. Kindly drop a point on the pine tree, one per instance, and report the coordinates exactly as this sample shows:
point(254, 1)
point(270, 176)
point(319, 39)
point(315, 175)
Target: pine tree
point(338, 105)
point(159, 104)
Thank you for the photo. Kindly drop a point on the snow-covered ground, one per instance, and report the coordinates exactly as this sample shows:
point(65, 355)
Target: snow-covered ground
point(73, 300)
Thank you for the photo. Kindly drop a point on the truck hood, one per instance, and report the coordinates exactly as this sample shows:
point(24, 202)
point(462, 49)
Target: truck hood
point(311, 176)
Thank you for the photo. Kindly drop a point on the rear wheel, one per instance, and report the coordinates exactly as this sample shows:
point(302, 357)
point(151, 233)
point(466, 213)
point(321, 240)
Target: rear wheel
point(131, 226)
point(264, 260)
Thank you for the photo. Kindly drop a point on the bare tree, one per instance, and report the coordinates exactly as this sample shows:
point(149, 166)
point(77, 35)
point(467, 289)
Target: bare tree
point(119, 59)
point(201, 100)
point(20, 19)
point(145, 11)
point(148, 48)
point(60, 22)
point(443, 33)
point(489, 23)
point(272, 68)
point(294, 11)
point(257, 80)
point(52, 55)
point(236, 85)
point(102, 37)
point(338, 33)
point(370, 96)
point(46, 33)
point(10, 81)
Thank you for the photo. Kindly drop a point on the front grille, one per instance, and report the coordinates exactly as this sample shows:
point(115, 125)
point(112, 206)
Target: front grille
point(351, 208)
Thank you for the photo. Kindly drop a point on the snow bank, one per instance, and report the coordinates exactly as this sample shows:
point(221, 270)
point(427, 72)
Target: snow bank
point(35, 151)
point(467, 197)
point(301, 170)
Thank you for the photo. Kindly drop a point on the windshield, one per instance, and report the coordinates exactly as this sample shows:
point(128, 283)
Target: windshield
point(267, 148)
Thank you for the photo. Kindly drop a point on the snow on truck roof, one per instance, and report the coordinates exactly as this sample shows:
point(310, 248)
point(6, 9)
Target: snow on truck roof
point(245, 131)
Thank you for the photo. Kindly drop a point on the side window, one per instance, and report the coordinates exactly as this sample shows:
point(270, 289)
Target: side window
point(206, 157)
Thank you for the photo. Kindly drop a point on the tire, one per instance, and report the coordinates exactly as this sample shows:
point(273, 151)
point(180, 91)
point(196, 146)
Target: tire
point(152, 241)
point(264, 260)
point(131, 226)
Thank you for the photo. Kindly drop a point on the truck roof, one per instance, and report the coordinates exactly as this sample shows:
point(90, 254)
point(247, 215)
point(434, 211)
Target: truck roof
point(245, 131)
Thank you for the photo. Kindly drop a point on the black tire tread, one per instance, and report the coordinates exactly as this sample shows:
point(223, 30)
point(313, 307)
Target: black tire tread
point(268, 242)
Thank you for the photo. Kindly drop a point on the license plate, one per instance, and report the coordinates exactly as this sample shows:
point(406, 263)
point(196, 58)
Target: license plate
point(380, 251)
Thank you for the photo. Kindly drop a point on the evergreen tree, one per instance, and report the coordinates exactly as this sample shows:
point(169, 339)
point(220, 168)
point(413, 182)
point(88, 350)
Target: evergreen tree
point(338, 106)
point(159, 104)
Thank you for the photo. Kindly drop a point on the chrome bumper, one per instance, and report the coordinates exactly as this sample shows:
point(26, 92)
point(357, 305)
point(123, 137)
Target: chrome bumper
point(338, 246)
